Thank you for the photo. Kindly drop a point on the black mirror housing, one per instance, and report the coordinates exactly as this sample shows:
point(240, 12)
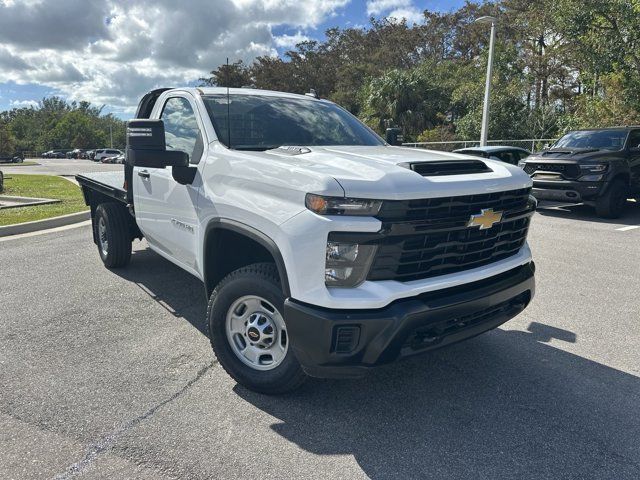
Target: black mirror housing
point(146, 146)
point(393, 136)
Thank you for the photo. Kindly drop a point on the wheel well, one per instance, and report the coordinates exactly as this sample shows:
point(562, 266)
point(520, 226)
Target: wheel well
point(227, 250)
point(622, 176)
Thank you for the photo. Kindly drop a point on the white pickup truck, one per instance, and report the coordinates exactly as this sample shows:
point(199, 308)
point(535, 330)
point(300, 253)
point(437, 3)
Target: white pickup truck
point(323, 250)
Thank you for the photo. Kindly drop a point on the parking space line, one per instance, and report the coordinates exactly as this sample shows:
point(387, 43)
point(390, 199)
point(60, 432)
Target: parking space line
point(625, 229)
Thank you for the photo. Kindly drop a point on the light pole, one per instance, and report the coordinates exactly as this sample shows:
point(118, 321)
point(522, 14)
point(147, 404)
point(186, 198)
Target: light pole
point(484, 131)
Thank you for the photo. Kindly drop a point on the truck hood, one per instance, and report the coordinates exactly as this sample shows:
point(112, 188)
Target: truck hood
point(574, 156)
point(376, 172)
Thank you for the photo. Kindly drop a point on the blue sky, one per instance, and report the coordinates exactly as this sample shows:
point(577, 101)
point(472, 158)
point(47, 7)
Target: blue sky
point(113, 61)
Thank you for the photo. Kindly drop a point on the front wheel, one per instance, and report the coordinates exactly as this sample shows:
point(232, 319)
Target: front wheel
point(248, 331)
point(614, 200)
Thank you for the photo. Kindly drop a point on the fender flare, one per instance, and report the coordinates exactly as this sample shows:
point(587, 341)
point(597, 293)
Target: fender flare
point(251, 233)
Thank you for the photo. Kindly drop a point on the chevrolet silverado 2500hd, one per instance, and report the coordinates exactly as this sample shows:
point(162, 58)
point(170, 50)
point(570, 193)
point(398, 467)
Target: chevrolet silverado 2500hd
point(323, 250)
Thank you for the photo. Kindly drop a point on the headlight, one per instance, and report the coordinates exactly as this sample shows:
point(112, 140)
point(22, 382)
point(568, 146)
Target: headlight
point(595, 168)
point(342, 206)
point(347, 264)
point(522, 164)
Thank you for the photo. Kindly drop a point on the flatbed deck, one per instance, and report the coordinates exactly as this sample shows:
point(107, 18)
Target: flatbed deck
point(110, 184)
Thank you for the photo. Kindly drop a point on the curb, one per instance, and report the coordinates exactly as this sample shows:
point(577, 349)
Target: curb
point(45, 224)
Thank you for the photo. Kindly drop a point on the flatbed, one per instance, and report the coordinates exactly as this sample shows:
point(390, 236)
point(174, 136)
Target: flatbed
point(110, 184)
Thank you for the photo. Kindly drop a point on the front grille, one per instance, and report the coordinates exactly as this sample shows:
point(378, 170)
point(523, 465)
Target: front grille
point(567, 170)
point(429, 237)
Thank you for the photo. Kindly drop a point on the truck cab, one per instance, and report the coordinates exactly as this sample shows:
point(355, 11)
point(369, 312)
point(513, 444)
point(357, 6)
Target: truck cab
point(323, 250)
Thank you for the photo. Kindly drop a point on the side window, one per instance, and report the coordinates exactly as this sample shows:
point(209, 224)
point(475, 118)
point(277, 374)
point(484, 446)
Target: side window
point(506, 157)
point(634, 139)
point(181, 128)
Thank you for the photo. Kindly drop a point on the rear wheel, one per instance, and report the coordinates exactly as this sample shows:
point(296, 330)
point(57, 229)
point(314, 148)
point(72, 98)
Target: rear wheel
point(113, 234)
point(614, 200)
point(248, 332)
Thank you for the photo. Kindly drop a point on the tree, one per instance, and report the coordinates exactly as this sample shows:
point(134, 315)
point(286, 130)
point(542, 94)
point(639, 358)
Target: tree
point(7, 139)
point(234, 75)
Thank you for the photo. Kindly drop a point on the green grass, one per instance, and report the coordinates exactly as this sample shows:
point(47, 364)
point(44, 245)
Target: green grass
point(26, 163)
point(42, 186)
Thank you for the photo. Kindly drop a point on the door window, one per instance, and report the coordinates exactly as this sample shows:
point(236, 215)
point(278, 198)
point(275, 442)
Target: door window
point(181, 128)
point(634, 139)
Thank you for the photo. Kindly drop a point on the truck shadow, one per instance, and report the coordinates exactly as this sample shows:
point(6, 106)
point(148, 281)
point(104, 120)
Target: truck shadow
point(503, 405)
point(176, 290)
point(587, 213)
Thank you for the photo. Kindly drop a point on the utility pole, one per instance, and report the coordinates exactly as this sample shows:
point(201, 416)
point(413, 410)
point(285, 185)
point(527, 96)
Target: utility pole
point(111, 134)
point(484, 131)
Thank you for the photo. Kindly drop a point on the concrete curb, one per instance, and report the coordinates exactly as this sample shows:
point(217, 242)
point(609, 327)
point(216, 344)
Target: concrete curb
point(45, 224)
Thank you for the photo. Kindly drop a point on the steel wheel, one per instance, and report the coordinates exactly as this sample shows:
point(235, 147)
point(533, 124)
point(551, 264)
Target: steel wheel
point(257, 333)
point(102, 236)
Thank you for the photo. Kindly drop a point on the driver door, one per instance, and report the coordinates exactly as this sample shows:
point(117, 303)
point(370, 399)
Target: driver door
point(166, 211)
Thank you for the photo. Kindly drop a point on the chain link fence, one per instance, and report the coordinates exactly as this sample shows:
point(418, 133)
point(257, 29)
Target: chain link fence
point(531, 144)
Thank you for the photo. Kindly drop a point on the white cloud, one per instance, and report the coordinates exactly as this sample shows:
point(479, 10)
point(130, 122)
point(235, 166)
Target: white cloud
point(410, 14)
point(112, 51)
point(396, 9)
point(23, 103)
point(290, 41)
point(377, 7)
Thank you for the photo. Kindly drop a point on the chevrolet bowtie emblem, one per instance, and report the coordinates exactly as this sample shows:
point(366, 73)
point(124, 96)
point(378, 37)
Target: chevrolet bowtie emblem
point(487, 218)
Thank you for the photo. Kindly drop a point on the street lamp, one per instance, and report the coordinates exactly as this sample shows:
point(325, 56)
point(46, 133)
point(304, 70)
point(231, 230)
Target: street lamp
point(484, 132)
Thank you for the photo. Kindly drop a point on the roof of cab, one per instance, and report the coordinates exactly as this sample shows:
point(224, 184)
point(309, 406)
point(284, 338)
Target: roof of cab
point(489, 149)
point(242, 91)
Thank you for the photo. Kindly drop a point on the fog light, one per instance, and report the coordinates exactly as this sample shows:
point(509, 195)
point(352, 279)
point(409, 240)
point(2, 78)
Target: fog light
point(347, 264)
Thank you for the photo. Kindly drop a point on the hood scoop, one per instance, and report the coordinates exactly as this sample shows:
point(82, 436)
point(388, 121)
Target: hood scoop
point(290, 150)
point(447, 167)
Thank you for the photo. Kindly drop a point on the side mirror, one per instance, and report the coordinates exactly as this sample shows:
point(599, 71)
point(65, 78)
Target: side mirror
point(393, 136)
point(146, 146)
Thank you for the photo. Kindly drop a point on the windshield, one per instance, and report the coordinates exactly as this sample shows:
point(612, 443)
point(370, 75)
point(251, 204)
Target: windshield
point(260, 122)
point(593, 139)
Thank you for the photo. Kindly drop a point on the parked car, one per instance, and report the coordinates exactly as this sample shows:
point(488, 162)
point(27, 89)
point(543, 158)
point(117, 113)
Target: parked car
point(598, 167)
point(106, 153)
point(119, 159)
point(323, 250)
point(54, 154)
point(17, 158)
point(75, 153)
point(511, 155)
point(90, 154)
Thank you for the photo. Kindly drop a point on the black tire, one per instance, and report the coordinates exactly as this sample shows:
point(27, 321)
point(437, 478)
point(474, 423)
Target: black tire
point(614, 200)
point(260, 279)
point(116, 252)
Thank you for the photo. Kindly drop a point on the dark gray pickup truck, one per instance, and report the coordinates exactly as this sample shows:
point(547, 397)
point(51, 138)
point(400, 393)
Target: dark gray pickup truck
point(597, 167)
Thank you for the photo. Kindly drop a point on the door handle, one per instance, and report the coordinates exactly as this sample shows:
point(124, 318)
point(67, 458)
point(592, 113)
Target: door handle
point(143, 174)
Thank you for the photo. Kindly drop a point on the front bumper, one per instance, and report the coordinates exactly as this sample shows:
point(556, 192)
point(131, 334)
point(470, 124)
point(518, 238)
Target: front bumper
point(345, 343)
point(571, 191)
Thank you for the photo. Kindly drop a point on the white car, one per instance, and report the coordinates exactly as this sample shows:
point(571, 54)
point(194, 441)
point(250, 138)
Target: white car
point(107, 153)
point(323, 251)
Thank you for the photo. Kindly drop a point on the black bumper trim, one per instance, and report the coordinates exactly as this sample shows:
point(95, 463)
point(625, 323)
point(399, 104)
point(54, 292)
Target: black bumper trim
point(567, 191)
point(439, 318)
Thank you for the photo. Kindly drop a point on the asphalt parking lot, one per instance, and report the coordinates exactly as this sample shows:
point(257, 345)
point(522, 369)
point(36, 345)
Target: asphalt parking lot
point(59, 166)
point(110, 375)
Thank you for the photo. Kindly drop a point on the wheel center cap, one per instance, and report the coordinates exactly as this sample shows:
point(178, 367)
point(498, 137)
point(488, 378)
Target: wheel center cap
point(253, 334)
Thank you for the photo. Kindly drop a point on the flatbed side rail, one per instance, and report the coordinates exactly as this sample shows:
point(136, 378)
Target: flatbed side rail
point(87, 183)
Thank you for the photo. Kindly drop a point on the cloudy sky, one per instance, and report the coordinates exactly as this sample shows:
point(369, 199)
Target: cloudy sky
point(111, 51)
